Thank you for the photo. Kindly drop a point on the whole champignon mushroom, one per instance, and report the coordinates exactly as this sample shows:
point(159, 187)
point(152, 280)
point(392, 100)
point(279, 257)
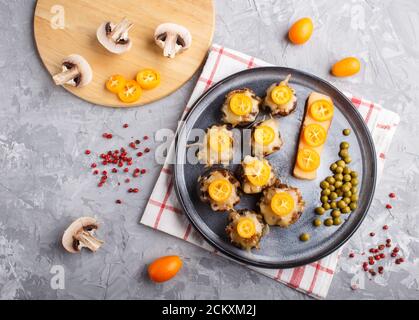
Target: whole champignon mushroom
point(80, 234)
point(114, 37)
point(76, 71)
point(172, 38)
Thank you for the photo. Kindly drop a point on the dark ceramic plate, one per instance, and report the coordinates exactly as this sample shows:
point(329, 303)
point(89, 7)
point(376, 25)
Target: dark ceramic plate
point(281, 248)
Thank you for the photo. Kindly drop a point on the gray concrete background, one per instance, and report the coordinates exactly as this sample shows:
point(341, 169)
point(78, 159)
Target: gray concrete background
point(45, 181)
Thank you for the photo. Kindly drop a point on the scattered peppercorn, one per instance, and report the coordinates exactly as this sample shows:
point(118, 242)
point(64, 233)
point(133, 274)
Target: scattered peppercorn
point(389, 206)
point(392, 195)
point(385, 227)
point(372, 234)
point(118, 201)
point(87, 152)
point(125, 125)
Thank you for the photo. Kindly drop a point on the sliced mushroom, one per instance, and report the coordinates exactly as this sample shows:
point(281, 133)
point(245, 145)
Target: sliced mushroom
point(172, 38)
point(80, 234)
point(114, 37)
point(76, 71)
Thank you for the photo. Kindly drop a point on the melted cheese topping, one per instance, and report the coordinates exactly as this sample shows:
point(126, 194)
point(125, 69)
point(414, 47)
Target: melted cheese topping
point(227, 204)
point(283, 109)
point(260, 150)
point(211, 156)
point(247, 186)
point(271, 217)
point(233, 119)
point(235, 238)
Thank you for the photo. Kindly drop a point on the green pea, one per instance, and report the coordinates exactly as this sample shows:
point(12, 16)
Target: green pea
point(338, 170)
point(326, 206)
point(345, 188)
point(324, 184)
point(344, 145)
point(320, 210)
point(354, 182)
point(344, 153)
point(337, 221)
point(347, 159)
point(347, 170)
point(324, 199)
point(333, 167)
point(325, 192)
point(330, 179)
point(354, 198)
point(346, 132)
point(339, 192)
point(317, 222)
point(347, 194)
point(341, 204)
point(335, 213)
point(347, 177)
point(341, 163)
point(328, 222)
point(353, 205)
point(332, 188)
point(333, 196)
point(346, 210)
point(354, 190)
point(354, 174)
point(338, 176)
point(304, 237)
point(333, 205)
point(347, 200)
point(338, 184)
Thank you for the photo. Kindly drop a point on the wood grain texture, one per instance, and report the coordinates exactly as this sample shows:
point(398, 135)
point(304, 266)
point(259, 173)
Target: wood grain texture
point(82, 18)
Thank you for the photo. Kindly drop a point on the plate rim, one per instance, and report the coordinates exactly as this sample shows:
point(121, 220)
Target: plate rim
point(246, 260)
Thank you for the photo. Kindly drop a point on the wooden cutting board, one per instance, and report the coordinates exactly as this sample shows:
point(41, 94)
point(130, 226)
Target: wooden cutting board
point(64, 27)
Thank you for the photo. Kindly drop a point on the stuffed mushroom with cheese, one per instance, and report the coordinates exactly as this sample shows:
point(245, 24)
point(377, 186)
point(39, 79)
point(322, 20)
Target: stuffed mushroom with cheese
point(266, 138)
point(280, 98)
point(220, 189)
point(255, 174)
point(246, 228)
point(217, 146)
point(240, 107)
point(281, 205)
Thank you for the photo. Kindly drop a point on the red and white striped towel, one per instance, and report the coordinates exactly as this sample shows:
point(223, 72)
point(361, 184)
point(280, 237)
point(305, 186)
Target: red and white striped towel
point(163, 210)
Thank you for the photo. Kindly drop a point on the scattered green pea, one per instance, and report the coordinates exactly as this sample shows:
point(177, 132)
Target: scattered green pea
point(333, 167)
point(333, 196)
point(304, 237)
point(341, 163)
point(344, 145)
point(345, 188)
point(332, 188)
point(324, 199)
point(320, 210)
point(324, 185)
point(330, 180)
point(347, 159)
point(354, 198)
point(338, 184)
point(338, 170)
point(354, 174)
point(325, 192)
point(347, 200)
point(347, 170)
point(337, 221)
point(354, 182)
point(347, 194)
point(326, 206)
point(353, 205)
point(317, 222)
point(344, 153)
point(346, 132)
point(338, 177)
point(328, 222)
point(333, 205)
point(346, 210)
point(341, 204)
point(335, 213)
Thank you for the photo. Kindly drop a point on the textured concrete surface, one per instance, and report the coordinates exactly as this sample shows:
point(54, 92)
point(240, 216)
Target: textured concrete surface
point(46, 182)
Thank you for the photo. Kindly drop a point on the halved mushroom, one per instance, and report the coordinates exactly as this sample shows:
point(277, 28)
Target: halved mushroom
point(80, 234)
point(114, 37)
point(76, 71)
point(172, 38)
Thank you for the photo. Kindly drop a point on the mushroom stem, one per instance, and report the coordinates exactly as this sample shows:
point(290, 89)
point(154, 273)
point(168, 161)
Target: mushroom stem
point(66, 76)
point(169, 49)
point(86, 239)
point(121, 29)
